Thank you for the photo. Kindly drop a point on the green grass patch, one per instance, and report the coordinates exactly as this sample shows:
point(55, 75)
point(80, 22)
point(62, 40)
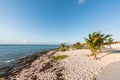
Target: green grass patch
point(59, 57)
point(62, 49)
point(60, 79)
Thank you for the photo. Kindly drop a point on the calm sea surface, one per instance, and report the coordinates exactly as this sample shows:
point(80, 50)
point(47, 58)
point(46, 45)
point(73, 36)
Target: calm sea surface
point(10, 53)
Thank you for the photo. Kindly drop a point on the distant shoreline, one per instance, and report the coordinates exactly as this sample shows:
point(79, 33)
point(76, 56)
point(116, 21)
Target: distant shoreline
point(14, 52)
point(29, 45)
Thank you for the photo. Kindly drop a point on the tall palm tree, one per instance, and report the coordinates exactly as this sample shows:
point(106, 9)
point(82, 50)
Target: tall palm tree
point(95, 42)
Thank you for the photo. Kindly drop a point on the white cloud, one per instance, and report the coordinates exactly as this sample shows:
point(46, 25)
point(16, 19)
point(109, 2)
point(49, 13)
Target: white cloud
point(81, 1)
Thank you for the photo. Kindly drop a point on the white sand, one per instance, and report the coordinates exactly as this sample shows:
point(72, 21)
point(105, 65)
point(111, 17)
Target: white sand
point(79, 66)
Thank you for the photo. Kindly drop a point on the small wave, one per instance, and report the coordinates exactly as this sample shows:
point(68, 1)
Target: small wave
point(9, 61)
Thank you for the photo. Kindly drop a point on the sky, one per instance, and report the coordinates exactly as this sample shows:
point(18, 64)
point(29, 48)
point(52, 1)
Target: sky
point(57, 21)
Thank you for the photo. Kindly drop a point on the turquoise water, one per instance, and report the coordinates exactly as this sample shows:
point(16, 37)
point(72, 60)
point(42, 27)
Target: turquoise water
point(10, 53)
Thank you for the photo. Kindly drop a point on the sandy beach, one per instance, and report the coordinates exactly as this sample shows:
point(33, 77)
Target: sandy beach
point(78, 65)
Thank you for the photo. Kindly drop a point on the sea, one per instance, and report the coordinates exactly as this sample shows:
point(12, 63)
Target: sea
point(10, 53)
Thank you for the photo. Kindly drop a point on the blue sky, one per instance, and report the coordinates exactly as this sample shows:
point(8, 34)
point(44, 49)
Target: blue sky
point(56, 21)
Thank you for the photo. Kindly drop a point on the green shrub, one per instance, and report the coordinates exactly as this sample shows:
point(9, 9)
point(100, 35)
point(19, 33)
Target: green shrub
point(60, 79)
point(77, 46)
point(59, 57)
point(63, 47)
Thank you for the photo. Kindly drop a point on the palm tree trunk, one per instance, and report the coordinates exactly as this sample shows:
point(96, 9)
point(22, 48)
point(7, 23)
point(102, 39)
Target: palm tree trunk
point(99, 51)
point(95, 57)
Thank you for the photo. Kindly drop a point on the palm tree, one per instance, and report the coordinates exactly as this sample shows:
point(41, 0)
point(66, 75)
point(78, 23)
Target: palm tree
point(102, 38)
point(91, 46)
point(95, 42)
point(91, 43)
point(110, 41)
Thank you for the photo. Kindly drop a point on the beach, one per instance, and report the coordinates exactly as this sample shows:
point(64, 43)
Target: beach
point(59, 39)
point(78, 65)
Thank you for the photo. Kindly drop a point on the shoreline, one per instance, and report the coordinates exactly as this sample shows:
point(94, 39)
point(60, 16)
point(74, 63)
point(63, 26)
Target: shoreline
point(21, 63)
point(44, 68)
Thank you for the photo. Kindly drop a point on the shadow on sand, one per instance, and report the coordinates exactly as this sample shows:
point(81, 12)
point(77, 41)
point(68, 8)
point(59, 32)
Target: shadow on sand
point(114, 51)
point(109, 51)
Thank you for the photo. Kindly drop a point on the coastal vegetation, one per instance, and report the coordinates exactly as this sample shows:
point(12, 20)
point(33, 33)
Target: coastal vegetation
point(60, 79)
point(63, 47)
point(77, 45)
point(95, 42)
point(59, 57)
